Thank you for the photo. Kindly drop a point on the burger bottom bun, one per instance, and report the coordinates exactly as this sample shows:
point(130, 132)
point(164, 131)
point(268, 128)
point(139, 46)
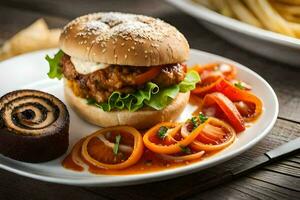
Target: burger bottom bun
point(141, 119)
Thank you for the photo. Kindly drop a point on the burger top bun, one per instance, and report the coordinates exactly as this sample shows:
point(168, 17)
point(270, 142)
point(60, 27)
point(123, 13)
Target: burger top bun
point(124, 39)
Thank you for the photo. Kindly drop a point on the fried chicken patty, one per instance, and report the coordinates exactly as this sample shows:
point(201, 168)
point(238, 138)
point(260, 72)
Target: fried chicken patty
point(100, 84)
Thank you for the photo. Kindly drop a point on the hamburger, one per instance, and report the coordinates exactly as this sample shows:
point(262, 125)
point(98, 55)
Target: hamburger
point(123, 69)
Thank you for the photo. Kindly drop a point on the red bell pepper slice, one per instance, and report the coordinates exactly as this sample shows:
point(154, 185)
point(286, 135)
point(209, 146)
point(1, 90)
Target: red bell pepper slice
point(227, 106)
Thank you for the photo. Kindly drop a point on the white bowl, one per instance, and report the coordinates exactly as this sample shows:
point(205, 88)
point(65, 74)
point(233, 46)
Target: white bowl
point(266, 43)
point(30, 71)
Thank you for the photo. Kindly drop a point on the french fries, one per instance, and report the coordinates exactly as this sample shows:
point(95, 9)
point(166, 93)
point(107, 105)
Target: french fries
point(35, 37)
point(281, 16)
point(243, 14)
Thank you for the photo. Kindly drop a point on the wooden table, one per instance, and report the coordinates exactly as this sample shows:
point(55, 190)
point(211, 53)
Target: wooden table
point(277, 181)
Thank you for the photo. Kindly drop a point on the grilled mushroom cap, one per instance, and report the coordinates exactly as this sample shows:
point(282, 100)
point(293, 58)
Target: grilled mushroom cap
point(34, 126)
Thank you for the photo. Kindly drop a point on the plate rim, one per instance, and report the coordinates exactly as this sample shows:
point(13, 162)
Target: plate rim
point(161, 175)
point(199, 11)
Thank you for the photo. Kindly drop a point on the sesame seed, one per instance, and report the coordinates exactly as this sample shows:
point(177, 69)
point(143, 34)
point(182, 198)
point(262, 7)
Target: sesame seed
point(114, 25)
point(125, 56)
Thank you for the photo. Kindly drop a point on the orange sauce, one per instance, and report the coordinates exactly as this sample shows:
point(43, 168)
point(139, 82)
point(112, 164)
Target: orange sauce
point(149, 162)
point(69, 163)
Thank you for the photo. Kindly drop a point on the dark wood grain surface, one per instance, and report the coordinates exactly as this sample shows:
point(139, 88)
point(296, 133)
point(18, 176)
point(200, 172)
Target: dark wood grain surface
point(280, 180)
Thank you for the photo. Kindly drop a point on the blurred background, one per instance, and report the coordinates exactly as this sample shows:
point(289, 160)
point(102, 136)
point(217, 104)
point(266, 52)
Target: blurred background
point(267, 27)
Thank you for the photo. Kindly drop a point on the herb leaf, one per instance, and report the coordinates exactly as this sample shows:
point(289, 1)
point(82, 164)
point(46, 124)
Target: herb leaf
point(185, 150)
point(117, 144)
point(194, 122)
point(54, 64)
point(239, 85)
point(202, 117)
point(162, 132)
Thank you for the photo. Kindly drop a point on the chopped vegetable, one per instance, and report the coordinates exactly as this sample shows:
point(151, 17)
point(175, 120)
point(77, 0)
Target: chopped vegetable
point(235, 95)
point(202, 118)
point(162, 131)
point(174, 147)
point(54, 64)
point(194, 122)
point(117, 143)
point(239, 85)
point(213, 138)
point(227, 106)
point(185, 150)
point(134, 157)
point(185, 158)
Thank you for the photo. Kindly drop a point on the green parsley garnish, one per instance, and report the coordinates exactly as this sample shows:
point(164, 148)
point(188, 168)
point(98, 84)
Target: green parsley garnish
point(202, 118)
point(162, 131)
point(194, 122)
point(239, 85)
point(185, 150)
point(117, 144)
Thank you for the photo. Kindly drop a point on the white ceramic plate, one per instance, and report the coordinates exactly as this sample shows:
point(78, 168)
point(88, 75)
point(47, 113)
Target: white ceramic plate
point(269, 44)
point(30, 71)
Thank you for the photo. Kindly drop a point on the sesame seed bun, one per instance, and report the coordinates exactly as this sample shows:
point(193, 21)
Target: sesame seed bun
point(141, 119)
point(124, 39)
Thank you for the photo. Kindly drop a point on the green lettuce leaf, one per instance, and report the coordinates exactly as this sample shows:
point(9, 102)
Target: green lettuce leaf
point(151, 95)
point(55, 69)
point(189, 82)
point(163, 97)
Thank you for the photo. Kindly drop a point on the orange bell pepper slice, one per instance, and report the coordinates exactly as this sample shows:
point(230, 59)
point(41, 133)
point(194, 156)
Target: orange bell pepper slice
point(131, 160)
point(228, 136)
point(175, 147)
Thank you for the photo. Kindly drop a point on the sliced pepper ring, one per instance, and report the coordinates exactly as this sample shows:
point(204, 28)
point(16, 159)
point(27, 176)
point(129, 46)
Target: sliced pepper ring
point(189, 157)
point(199, 146)
point(203, 90)
point(236, 94)
point(172, 148)
point(131, 160)
point(227, 107)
